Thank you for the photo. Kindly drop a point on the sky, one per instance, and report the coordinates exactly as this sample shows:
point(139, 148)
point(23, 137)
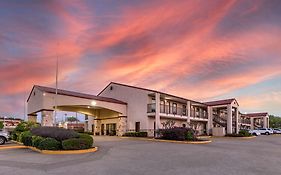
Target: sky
point(202, 50)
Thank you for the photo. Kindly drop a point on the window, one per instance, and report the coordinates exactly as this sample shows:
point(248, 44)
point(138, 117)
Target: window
point(183, 125)
point(184, 110)
point(137, 126)
point(174, 108)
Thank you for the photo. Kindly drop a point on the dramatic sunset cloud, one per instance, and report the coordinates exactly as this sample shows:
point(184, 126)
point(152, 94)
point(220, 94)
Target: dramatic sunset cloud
point(202, 50)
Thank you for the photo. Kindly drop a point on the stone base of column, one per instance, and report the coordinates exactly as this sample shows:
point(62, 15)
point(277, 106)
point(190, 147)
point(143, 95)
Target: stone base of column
point(47, 118)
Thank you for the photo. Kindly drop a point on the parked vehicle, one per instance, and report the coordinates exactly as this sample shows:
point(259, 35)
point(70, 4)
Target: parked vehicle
point(255, 132)
point(277, 131)
point(265, 131)
point(4, 137)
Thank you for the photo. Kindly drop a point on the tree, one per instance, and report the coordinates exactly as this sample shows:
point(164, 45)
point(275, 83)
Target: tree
point(72, 119)
point(1, 125)
point(274, 121)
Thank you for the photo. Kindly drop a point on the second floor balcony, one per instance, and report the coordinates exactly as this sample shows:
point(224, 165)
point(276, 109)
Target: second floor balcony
point(176, 110)
point(166, 109)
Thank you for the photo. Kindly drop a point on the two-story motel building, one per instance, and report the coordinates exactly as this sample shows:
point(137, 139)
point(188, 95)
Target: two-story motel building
point(120, 108)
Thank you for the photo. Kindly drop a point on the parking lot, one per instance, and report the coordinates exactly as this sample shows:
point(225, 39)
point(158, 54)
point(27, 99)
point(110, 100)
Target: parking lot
point(261, 155)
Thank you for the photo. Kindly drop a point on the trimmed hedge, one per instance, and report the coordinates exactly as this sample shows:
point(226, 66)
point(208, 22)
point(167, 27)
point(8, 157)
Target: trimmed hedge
point(59, 134)
point(178, 133)
point(242, 133)
point(49, 144)
point(26, 138)
point(36, 140)
point(84, 141)
point(135, 134)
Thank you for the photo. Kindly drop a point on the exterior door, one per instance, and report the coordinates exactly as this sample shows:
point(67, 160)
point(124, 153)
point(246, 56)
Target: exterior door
point(102, 129)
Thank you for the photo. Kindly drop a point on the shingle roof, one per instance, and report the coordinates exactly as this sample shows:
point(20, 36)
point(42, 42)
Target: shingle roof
point(220, 102)
point(151, 90)
point(75, 94)
point(257, 114)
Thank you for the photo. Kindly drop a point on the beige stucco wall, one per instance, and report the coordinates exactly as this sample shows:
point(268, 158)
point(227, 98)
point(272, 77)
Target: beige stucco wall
point(137, 100)
point(35, 102)
point(46, 101)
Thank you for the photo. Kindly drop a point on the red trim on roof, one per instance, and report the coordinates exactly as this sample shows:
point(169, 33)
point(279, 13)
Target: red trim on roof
point(221, 102)
point(75, 94)
point(145, 89)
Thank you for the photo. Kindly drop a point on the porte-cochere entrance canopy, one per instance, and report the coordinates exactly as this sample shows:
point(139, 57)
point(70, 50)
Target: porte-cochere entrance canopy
point(99, 111)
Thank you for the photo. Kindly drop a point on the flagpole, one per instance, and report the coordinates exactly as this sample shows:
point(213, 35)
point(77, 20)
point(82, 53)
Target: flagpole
point(57, 70)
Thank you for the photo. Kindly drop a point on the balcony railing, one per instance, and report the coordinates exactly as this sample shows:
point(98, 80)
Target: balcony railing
point(245, 121)
point(199, 114)
point(166, 109)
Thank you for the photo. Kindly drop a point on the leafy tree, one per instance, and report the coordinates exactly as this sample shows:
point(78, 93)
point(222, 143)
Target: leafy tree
point(274, 121)
point(1, 125)
point(72, 119)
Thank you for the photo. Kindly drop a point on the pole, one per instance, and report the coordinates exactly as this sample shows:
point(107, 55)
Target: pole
point(56, 96)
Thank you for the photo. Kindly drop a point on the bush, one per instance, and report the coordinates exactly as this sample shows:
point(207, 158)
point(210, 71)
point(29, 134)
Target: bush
point(26, 138)
point(135, 134)
point(190, 136)
point(15, 135)
point(26, 126)
point(36, 140)
point(1, 125)
point(242, 133)
point(178, 133)
point(59, 134)
point(84, 141)
point(49, 144)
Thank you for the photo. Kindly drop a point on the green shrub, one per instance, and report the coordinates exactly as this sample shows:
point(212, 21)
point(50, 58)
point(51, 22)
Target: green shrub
point(15, 135)
point(244, 133)
point(36, 140)
point(26, 126)
point(75, 144)
point(1, 125)
point(189, 136)
point(59, 134)
point(178, 133)
point(135, 134)
point(49, 144)
point(26, 138)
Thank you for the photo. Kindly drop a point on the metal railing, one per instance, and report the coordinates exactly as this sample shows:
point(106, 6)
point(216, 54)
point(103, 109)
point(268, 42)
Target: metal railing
point(199, 114)
point(166, 109)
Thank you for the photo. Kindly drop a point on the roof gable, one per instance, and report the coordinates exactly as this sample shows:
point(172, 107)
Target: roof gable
point(221, 102)
point(74, 94)
point(145, 89)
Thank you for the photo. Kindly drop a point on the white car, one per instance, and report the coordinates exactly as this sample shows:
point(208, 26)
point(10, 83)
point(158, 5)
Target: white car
point(255, 132)
point(266, 131)
point(4, 137)
point(277, 131)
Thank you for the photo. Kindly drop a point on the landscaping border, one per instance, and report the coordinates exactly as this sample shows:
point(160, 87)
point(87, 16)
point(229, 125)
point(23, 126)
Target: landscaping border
point(59, 152)
point(83, 151)
point(226, 137)
point(171, 141)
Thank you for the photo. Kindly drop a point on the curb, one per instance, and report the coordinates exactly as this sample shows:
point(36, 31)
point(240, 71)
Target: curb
point(170, 141)
point(238, 138)
point(12, 147)
point(60, 152)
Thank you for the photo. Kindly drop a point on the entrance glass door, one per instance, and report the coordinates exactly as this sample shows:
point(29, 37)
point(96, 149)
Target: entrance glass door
point(111, 129)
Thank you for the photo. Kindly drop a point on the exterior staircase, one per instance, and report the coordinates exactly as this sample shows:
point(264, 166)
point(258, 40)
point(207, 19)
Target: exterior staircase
point(220, 121)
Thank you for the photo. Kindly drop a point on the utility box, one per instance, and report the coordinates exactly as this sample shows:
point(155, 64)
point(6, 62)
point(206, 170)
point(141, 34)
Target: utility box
point(218, 131)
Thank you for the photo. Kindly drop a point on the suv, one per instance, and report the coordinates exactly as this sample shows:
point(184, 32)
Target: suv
point(4, 137)
point(265, 131)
